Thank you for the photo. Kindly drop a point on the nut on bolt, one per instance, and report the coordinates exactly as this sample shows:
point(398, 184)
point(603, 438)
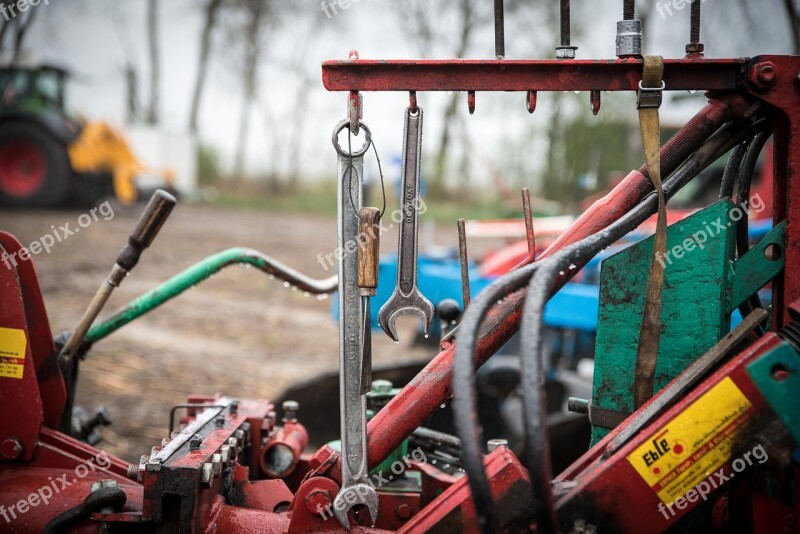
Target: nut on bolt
point(290, 409)
point(101, 484)
point(493, 444)
point(207, 474)
point(216, 464)
point(11, 449)
point(318, 501)
point(195, 442)
point(403, 511)
point(764, 75)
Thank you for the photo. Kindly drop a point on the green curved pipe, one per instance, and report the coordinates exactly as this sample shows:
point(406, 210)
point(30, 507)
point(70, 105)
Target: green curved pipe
point(199, 272)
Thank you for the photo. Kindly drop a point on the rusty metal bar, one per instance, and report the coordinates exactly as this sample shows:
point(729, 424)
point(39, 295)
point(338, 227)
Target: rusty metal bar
point(698, 74)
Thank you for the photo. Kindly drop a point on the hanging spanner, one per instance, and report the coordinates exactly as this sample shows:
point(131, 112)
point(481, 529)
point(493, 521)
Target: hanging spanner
point(406, 297)
point(355, 489)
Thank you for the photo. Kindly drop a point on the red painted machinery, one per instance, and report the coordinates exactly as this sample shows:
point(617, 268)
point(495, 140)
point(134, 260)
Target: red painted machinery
point(235, 466)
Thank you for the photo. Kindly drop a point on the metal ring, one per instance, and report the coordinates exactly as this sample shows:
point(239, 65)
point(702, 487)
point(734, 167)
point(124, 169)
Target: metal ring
point(358, 153)
point(663, 86)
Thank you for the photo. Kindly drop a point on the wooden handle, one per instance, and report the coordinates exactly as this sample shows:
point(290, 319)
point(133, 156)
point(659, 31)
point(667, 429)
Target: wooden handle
point(369, 248)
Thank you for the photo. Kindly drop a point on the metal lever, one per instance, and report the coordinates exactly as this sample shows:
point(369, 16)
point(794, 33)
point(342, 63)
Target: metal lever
point(150, 222)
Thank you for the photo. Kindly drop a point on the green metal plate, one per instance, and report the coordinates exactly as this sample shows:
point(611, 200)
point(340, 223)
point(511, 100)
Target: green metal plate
point(694, 306)
point(777, 376)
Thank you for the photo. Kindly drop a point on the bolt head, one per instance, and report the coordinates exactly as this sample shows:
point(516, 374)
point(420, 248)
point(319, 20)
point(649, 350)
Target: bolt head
point(403, 511)
point(233, 407)
point(767, 73)
point(693, 49)
point(207, 474)
point(566, 52)
point(195, 442)
point(493, 444)
point(763, 75)
point(216, 464)
point(100, 484)
point(11, 449)
point(382, 386)
point(317, 500)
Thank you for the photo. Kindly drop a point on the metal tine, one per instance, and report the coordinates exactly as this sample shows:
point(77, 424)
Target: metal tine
point(530, 234)
point(464, 260)
point(594, 99)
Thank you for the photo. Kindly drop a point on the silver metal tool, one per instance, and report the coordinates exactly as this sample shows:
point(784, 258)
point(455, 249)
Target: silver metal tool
point(406, 297)
point(356, 489)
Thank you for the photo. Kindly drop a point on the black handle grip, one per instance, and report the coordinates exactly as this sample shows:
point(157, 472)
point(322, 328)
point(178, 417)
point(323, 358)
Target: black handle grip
point(150, 222)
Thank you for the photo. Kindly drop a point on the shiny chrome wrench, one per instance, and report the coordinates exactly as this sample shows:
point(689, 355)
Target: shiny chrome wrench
point(406, 297)
point(355, 489)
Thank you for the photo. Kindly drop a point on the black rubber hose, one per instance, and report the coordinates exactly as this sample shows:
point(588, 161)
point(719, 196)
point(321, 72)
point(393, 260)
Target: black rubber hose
point(732, 169)
point(465, 404)
point(745, 179)
point(532, 364)
point(96, 501)
point(465, 398)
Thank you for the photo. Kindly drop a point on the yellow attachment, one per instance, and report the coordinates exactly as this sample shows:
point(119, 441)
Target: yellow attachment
point(100, 148)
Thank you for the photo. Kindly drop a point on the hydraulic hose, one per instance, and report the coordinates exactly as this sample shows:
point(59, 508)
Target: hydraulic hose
point(465, 398)
point(532, 364)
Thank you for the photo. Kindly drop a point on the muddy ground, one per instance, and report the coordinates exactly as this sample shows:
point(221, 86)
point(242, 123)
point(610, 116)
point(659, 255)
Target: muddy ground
point(239, 333)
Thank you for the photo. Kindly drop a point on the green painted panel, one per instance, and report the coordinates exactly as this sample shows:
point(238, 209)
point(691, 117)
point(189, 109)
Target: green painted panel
point(694, 311)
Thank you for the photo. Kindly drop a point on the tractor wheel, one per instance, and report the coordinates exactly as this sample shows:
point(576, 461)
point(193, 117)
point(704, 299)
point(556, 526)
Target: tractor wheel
point(34, 166)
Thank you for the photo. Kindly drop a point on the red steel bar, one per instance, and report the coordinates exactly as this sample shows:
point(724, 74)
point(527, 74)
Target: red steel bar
point(698, 74)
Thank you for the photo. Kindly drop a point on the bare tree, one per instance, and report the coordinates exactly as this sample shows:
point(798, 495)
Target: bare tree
point(155, 61)
point(255, 15)
point(19, 22)
point(211, 12)
point(793, 12)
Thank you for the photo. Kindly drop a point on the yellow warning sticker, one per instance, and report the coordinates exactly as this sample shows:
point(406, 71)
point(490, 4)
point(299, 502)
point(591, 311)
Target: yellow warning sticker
point(12, 352)
point(695, 444)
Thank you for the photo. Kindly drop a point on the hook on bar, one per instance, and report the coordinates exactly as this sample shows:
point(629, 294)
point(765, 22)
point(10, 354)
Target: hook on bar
point(532, 96)
point(464, 261)
point(471, 102)
point(355, 110)
point(594, 98)
point(412, 101)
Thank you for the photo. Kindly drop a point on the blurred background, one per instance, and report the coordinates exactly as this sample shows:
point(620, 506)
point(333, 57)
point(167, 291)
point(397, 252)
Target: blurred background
point(222, 101)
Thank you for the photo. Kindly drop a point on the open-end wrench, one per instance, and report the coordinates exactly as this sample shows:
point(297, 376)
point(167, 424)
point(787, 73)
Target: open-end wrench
point(356, 489)
point(406, 297)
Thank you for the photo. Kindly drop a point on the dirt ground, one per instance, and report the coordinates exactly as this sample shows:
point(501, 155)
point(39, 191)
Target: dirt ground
point(239, 332)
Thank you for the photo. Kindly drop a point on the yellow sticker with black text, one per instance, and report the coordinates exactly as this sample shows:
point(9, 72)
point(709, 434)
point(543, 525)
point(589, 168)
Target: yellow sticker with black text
point(696, 443)
point(12, 352)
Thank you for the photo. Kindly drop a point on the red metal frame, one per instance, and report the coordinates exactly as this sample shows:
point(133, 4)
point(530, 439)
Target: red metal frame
point(737, 85)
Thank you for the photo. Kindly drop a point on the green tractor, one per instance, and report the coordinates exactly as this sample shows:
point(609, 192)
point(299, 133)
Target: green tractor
point(49, 158)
